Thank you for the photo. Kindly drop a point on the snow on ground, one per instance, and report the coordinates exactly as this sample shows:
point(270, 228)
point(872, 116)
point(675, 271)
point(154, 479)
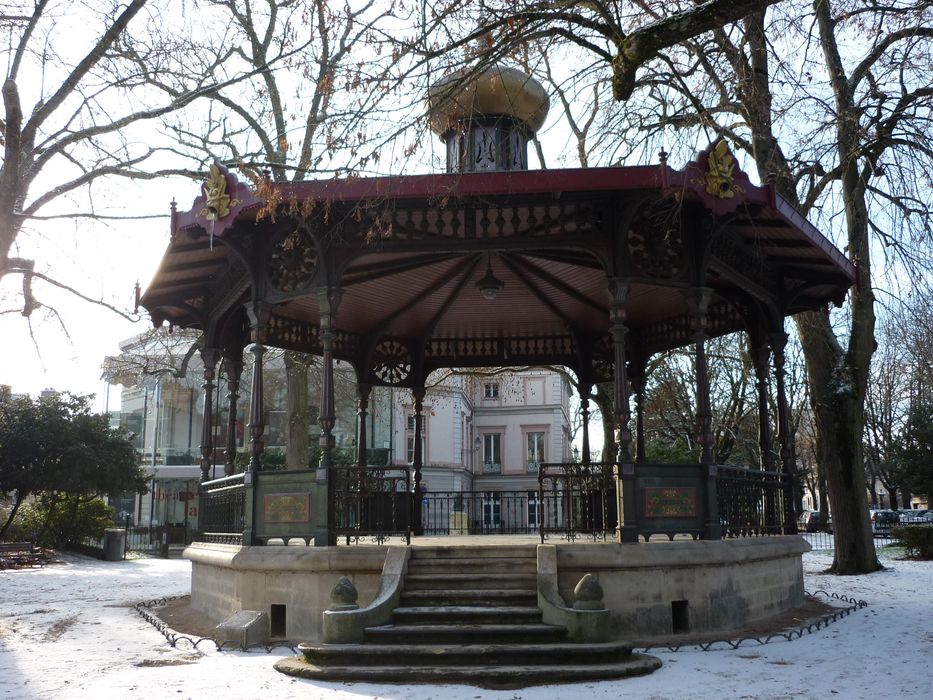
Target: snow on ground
point(69, 631)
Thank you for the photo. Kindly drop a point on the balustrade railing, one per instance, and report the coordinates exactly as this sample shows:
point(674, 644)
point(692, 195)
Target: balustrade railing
point(751, 502)
point(481, 512)
point(222, 516)
point(371, 504)
point(577, 501)
point(572, 501)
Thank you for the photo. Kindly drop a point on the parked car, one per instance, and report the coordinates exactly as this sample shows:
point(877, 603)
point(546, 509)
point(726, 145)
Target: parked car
point(809, 521)
point(911, 516)
point(882, 521)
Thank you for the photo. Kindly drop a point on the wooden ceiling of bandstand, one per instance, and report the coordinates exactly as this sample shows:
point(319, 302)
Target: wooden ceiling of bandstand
point(406, 254)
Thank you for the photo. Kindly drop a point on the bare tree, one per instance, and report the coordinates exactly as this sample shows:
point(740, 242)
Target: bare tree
point(80, 123)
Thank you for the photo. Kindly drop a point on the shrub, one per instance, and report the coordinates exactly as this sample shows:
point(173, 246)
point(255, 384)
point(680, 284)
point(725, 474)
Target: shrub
point(916, 539)
point(58, 522)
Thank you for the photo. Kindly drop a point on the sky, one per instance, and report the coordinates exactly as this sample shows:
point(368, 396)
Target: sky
point(69, 631)
point(64, 350)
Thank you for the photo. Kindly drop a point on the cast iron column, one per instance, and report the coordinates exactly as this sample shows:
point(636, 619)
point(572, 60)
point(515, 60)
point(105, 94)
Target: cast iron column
point(585, 390)
point(233, 368)
point(257, 424)
point(761, 354)
point(209, 357)
point(625, 485)
point(328, 298)
point(361, 441)
point(638, 387)
point(785, 439)
point(417, 460)
point(697, 304)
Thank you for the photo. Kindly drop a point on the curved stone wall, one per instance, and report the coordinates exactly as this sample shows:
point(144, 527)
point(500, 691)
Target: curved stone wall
point(653, 590)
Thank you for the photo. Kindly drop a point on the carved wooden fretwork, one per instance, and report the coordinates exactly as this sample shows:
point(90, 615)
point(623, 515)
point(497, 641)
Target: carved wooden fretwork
point(441, 349)
point(483, 221)
point(391, 362)
point(655, 241)
point(479, 352)
point(725, 318)
point(292, 263)
point(663, 335)
point(556, 346)
point(292, 333)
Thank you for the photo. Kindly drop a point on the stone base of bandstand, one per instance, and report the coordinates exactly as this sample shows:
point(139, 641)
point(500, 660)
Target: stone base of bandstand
point(654, 589)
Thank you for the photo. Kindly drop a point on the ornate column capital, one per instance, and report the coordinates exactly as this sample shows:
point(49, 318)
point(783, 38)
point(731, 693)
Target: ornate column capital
point(259, 314)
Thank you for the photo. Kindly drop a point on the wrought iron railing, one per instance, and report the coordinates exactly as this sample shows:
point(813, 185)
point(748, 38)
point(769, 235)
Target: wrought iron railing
point(481, 512)
point(222, 514)
point(751, 502)
point(577, 500)
point(371, 504)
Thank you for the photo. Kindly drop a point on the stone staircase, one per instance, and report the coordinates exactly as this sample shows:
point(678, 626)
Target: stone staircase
point(469, 614)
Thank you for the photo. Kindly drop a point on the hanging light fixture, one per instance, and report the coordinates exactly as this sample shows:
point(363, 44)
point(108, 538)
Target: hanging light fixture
point(489, 285)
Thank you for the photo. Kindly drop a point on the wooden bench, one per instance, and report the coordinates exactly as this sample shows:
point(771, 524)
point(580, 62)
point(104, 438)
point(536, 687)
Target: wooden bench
point(16, 555)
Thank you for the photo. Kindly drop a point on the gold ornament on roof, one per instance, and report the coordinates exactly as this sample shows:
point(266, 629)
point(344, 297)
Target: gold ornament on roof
point(217, 202)
point(718, 179)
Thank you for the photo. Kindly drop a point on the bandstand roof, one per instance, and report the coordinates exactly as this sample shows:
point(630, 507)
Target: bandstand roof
point(406, 253)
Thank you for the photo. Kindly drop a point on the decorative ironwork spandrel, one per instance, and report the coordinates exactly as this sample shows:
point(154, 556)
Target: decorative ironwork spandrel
point(655, 241)
point(293, 262)
point(391, 362)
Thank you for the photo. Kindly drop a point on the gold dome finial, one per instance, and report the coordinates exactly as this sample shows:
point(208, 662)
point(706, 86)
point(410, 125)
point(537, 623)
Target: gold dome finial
point(495, 91)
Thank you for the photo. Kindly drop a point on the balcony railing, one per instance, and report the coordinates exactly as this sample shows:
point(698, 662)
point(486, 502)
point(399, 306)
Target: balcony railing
point(492, 468)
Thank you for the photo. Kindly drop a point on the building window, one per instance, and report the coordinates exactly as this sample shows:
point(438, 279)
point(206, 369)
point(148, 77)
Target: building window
point(492, 453)
point(535, 451)
point(410, 439)
point(492, 509)
point(534, 510)
point(491, 391)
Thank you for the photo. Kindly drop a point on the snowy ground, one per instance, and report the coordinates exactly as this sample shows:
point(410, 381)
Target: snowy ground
point(69, 631)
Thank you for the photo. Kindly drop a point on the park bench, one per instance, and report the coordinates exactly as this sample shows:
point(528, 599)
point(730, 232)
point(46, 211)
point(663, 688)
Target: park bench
point(15, 555)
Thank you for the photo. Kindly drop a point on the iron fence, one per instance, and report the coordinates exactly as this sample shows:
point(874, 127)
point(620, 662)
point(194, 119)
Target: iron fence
point(223, 510)
point(577, 500)
point(372, 504)
point(751, 502)
point(481, 512)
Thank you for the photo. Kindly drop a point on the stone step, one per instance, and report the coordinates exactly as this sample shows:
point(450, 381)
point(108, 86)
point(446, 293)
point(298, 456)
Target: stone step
point(488, 676)
point(466, 613)
point(533, 633)
point(464, 654)
point(486, 565)
point(460, 581)
point(518, 551)
point(459, 597)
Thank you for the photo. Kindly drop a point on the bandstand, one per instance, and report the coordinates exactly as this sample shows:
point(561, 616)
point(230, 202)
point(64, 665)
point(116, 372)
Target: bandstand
point(490, 265)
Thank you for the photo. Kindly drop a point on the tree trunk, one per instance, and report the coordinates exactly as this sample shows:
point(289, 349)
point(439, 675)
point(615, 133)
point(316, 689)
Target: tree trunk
point(838, 414)
point(9, 521)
